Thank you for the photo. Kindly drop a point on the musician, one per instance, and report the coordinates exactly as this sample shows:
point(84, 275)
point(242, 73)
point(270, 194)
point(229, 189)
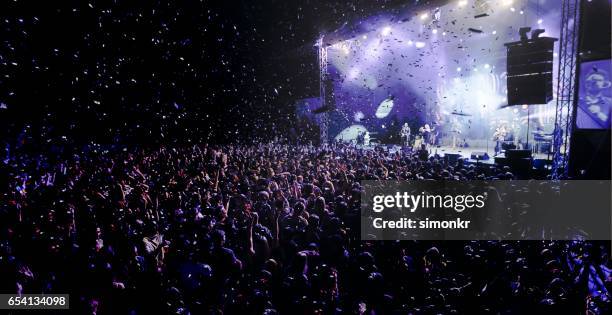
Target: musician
point(366, 138)
point(360, 136)
point(456, 131)
point(499, 136)
point(426, 132)
point(405, 134)
point(541, 139)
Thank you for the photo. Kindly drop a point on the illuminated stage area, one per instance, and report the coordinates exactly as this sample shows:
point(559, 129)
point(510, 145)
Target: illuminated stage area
point(467, 154)
point(444, 67)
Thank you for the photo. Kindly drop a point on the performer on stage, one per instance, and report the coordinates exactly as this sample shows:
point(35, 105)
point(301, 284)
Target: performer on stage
point(366, 139)
point(543, 140)
point(405, 134)
point(426, 132)
point(499, 136)
point(455, 131)
point(360, 136)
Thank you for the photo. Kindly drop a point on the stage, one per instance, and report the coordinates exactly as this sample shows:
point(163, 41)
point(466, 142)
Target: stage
point(466, 153)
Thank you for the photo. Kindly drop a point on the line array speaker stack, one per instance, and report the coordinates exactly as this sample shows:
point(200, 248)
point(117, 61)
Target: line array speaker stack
point(530, 71)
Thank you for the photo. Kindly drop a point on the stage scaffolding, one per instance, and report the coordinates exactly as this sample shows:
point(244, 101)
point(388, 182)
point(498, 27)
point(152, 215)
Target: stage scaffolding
point(566, 86)
point(323, 117)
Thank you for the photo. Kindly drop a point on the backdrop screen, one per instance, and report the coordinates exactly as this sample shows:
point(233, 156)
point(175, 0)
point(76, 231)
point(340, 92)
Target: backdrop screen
point(594, 95)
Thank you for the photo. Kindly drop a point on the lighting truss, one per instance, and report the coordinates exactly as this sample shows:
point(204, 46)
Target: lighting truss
point(566, 87)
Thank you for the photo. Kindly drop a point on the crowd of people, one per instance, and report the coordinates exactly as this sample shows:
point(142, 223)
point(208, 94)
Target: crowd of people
point(262, 229)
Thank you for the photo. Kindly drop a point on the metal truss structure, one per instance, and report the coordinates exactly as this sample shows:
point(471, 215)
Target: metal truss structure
point(566, 86)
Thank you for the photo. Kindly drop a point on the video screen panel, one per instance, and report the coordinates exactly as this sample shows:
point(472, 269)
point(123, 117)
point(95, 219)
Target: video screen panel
point(594, 95)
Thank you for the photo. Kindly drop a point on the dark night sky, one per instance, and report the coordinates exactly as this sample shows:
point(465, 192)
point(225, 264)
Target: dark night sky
point(158, 71)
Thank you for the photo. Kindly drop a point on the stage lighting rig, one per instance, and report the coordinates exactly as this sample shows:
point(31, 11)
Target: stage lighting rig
point(523, 33)
point(536, 33)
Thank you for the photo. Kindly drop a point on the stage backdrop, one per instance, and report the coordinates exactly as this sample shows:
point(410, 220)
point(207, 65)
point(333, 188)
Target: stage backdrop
point(445, 67)
point(595, 95)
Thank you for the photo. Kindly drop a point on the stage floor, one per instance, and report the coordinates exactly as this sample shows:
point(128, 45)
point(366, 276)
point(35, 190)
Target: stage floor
point(467, 152)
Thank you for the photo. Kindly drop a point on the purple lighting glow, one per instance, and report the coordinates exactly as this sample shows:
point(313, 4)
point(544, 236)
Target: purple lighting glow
point(411, 73)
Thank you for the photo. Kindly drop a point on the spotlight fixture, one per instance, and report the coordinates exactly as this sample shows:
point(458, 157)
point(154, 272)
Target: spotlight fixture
point(523, 33)
point(386, 31)
point(536, 33)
